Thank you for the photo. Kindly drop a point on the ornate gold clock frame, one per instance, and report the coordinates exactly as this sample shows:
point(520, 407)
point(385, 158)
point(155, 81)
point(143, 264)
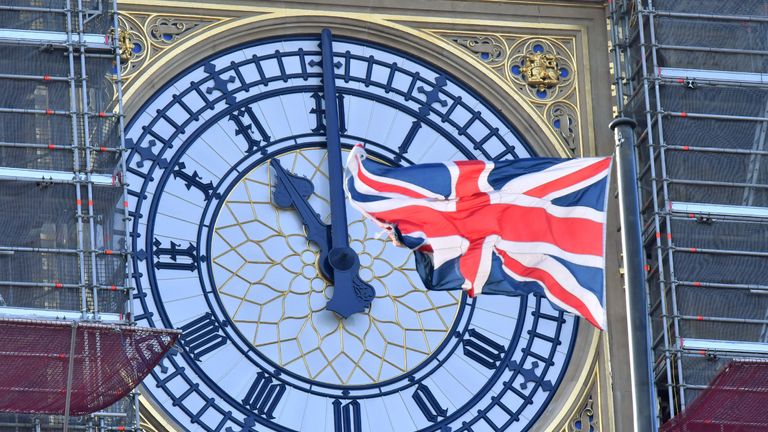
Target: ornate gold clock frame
point(542, 64)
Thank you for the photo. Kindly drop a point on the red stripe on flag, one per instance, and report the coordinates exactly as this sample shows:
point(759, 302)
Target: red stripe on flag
point(469, 264)
point(570, 179)
point(510, 222)
point(552, 285)
point(385, 187)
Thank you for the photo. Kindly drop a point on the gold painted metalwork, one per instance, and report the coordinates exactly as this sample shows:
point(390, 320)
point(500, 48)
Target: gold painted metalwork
point(124, 44)
point(541, 70)
point(488, 49)
point(278, 301)
point(153, 34)
point(166, 30)
point(584, 421)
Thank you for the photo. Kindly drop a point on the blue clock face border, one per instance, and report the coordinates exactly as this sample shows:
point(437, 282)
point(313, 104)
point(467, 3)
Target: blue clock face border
point(519, 368)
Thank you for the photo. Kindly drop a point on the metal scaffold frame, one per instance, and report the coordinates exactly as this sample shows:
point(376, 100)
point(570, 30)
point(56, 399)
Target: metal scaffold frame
point(86, 48)
point(691, 214)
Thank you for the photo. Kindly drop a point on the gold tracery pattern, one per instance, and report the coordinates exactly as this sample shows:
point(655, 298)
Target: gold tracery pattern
point(267, 279)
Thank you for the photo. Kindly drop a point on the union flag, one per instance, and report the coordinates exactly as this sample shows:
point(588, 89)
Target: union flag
point(501, 227)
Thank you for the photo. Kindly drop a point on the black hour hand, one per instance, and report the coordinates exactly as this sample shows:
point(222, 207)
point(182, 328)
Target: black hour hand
point(290, 190)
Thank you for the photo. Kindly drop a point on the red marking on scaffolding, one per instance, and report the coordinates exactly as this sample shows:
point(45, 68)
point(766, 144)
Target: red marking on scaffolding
point(102, 114)
point(683, 114)
point(113, 288)
point(693, 250)
point(647, 267)
point(102, 149)
point(680, 80)
point(699, 317)
point(79, 203)
point(697, 284)
point(46, 77)
point(58, 285)
point(121, 428)
point(702, 352)
point(49, 111)
point(691, 215)
point(658, 235)
point(686, 148)
point(108, 251)
point(669, 236)
point(62, 356)
point(51, 146)
point(90, 203)
point(659, 71)
point(125, 204)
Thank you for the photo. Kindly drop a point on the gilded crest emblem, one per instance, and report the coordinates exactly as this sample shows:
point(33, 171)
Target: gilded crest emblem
point(541, 70)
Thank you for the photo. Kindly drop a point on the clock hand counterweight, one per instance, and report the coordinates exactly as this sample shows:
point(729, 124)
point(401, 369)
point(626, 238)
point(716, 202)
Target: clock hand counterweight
point(350, 293)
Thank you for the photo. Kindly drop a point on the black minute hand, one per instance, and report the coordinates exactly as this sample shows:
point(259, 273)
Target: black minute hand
point(350, 293)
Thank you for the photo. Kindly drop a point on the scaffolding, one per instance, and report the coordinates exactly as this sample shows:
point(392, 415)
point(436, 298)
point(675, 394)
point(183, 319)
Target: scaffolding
point(691, 73)
point(64, 227)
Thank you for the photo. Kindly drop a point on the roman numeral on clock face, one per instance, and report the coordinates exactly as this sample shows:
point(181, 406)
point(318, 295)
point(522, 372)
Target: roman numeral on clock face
point(428, 403)
point(346, 417)
point(264, 395)
point(174, 253)
point(482, 349)
point(202, 336)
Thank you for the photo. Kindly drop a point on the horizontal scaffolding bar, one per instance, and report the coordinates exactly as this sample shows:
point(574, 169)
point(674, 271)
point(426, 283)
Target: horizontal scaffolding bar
point(717, 183)
point(711, 16)
point(34, 77)
point(40, 37)
point(32, 9)
point(719, 209)
point(714, 150)
point(722, 345)
point(50, 314)
point(728, 320)
point(750, 287)
point(713, 75)
point(718, 251)
point(23, 174)
point(714, 116)
point(711, 49)
point(60, 285)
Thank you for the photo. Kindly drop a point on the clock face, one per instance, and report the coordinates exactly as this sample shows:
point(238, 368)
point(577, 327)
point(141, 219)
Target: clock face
point(218, 258)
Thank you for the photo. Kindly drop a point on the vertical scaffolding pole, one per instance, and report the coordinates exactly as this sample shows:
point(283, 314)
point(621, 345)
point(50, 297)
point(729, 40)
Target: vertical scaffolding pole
point(87, 149)
point(127, 253)
point(640, 359)
point(70, 373)
point(76, 160)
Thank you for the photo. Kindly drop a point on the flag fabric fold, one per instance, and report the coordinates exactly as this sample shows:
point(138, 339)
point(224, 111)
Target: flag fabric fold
point(501, 227)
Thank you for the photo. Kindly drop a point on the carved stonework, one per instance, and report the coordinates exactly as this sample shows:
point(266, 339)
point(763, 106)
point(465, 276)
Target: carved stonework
point(584, 421)
point(489, 49)
point(148, 35)
point(563, 118)
point(166, 30)
point(131, 30)
point(542, 70)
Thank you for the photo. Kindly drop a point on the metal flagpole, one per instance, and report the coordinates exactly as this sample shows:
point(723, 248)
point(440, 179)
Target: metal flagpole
point(640, 359)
